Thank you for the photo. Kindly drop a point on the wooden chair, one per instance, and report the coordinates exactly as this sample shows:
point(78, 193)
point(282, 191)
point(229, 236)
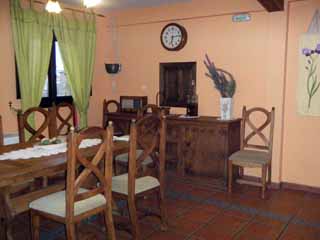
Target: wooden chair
point(254, 155)
point(145, 109)
point(36, 134)
point(65, 114)
point(147, 134)
point(121, 161)
point(76, 203)
point(15, 198)
point(111, 106)
point(63, 117)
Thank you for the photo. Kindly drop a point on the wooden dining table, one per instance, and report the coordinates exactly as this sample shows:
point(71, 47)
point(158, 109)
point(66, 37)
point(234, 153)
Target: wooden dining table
point(14, 172)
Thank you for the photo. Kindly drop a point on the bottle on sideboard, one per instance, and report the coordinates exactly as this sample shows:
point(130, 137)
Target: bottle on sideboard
point(192, 101)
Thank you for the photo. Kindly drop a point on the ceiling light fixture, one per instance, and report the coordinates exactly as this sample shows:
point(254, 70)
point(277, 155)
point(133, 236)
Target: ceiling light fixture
point(91, 3)
point(53, 6)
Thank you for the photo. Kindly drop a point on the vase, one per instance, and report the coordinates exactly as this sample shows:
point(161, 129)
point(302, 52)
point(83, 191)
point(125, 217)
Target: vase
point(226, 108)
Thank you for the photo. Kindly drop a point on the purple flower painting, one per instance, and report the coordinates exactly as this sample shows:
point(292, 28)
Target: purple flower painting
point(312, 81)
point(306, 52)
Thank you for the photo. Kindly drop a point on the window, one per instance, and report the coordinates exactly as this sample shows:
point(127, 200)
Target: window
point(56, 88)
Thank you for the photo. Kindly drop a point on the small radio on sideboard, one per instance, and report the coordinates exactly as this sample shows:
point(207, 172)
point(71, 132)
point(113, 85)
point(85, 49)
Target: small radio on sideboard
point(132, 103)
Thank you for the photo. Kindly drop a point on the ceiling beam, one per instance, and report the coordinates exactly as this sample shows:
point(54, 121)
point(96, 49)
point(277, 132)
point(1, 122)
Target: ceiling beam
point(272, 5)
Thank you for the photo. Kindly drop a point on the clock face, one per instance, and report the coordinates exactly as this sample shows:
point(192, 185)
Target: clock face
point(173, 37)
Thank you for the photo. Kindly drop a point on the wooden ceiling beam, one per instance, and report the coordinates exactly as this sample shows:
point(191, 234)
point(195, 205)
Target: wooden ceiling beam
point(272, 5)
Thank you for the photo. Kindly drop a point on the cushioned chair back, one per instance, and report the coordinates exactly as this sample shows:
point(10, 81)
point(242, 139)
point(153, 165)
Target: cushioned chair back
point(66, 118)
point(38, 133)
point(249, 130)
point(84, 164)
point(149, 135)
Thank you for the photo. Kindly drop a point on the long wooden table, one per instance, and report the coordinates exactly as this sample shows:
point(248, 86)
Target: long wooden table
point(14, 172)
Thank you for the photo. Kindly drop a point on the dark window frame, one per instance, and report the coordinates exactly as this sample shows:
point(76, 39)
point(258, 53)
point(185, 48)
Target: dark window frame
point(52, 82)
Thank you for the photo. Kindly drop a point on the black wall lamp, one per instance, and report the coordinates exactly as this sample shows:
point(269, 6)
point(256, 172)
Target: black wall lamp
point(113, 68)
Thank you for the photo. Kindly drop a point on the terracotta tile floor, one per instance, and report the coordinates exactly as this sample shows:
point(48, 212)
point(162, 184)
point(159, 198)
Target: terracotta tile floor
point(199, 209)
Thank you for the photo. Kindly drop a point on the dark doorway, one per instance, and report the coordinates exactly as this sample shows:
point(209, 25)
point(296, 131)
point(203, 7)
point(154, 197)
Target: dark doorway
point(177, 81)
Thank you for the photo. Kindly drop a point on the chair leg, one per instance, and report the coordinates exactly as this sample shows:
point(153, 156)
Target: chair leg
point(241, 172)
point(35, 226)
point(45, 182)
point(269, 174)
point(133, 219)
point(3, 228)
point(71, 231)
point(263, 179)
point(163, 210)
point(115, 167)
point(109, 223)
point(230, 176)
point(6, 229)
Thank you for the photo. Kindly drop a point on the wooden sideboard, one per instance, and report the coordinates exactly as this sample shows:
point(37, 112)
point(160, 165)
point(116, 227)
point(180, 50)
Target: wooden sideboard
point(198, 146)
point(202, 145)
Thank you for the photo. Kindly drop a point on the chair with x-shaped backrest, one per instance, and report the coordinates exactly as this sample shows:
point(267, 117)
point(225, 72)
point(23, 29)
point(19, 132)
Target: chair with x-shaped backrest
point(254, 155)
point(38, 133)
point(121, 161)
point(63, 119)
point(66, 118)
point(149, 135)
point(148, 109)
point(78, 202)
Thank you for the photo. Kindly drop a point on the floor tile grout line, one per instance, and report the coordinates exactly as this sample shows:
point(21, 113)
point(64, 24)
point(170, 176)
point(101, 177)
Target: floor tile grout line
point(242, 229)
point(285, 228)
point(221, 212)
point(204, 225)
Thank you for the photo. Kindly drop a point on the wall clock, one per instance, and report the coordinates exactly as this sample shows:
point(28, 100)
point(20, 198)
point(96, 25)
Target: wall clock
point(173, 37)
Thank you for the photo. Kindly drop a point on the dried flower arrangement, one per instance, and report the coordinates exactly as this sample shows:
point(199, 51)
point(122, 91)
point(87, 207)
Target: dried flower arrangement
point(223, 81)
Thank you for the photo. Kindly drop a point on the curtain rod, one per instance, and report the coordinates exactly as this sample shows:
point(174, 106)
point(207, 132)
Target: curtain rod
point(71, 9)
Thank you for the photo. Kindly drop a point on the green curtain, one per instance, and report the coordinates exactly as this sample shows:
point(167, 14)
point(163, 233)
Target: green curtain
point(32, 37)
point(77, 41)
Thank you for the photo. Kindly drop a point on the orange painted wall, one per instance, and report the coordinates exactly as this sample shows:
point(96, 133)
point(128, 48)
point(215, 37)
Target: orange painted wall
point(7, 76)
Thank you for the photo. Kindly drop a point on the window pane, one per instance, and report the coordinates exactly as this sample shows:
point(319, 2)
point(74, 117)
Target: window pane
point(45, 92)
point(63, 88)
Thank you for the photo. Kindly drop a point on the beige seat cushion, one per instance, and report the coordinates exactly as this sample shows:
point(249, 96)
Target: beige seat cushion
point(120, 184)
point(250, 158)
point(123, 158)
point(55, 203)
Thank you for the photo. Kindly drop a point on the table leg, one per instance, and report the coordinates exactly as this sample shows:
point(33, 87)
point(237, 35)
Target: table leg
point(6, 215)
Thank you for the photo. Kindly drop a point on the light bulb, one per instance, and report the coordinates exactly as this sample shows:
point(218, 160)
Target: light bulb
point(53, 6)
point(91, 3)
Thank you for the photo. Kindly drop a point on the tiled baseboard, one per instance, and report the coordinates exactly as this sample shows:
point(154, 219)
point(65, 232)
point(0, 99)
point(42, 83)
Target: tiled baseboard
point(294, 186)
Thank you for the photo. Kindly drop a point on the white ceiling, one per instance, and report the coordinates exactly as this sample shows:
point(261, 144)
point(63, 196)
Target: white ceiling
point(121, 4)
